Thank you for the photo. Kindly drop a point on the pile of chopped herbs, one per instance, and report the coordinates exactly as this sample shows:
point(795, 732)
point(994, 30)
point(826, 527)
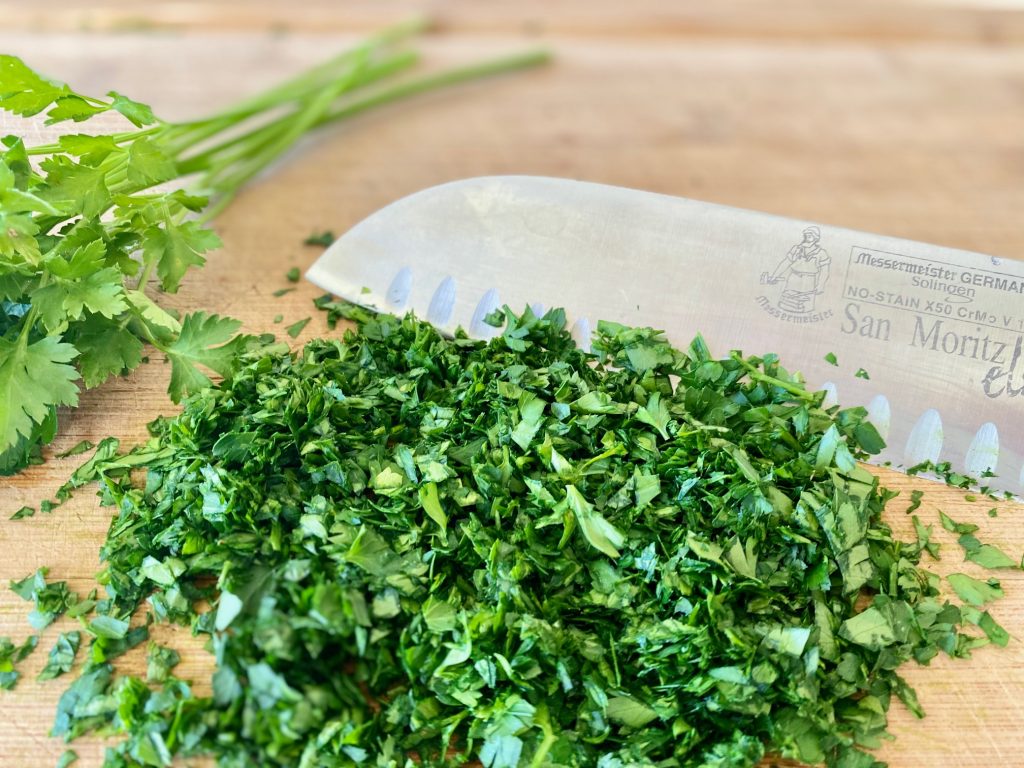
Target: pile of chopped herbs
point(413, 550)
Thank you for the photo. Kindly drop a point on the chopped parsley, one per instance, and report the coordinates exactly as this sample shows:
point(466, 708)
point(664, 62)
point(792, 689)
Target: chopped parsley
point(408, 549)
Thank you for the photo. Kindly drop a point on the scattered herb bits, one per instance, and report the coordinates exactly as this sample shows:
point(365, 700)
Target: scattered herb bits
point(23, 512)
point(296, 328)
point(413, 550)
point(10, 656)
point(324, 238)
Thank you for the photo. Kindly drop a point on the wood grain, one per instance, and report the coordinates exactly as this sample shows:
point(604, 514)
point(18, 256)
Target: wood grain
point(891, 117)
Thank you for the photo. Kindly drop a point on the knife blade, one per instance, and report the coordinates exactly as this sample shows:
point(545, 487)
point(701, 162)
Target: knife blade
point(928, 338)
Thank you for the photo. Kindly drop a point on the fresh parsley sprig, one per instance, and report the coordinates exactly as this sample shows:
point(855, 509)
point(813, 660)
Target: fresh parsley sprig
point(86, 223)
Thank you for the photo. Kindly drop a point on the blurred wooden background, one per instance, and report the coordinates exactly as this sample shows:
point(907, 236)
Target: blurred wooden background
point(905, 118)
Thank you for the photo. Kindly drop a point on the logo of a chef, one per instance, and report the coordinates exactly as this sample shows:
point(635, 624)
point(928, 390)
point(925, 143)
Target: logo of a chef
point(803, 273)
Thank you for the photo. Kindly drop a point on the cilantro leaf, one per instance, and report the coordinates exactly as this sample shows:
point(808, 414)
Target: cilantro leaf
point(92, 150)
point(159, 663)
point(51, 599)
point(954, 527)
point(23, 512)
point(656, 414)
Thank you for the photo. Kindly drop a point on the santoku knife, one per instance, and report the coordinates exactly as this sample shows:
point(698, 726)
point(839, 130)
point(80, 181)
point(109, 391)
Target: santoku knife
point(928, 338)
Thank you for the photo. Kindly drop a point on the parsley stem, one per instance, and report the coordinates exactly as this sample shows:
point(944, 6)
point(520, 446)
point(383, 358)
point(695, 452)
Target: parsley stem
point(319, 76)
point(245, 143)
point(295, 128)
point(230, 185)
point(263, 145)
point(147, 270)
point(498, 66)
point(758, 375)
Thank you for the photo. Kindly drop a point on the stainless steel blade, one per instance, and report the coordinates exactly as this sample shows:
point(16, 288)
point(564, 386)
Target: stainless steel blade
point(939, 331)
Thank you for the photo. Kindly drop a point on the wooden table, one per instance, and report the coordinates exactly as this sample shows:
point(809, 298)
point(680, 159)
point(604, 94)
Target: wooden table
point(898, 117)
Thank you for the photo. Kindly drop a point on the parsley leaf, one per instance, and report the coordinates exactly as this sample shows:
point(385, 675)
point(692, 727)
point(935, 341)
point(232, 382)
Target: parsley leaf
point(205, 340)
point(34, 378)
point(174, 248)
point(24, 92)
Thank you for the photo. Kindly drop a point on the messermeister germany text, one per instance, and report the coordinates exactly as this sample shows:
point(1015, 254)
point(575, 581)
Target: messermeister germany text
point(968, 314)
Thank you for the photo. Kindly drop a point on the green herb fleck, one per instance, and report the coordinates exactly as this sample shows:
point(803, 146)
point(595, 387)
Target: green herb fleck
point(78, 448)
point(324, 238)
point(985, 555)
point(295, 328)
point(915, 501)
point(160, 662)
point(954, 527)
point(62, 655)
point(974, 591)
point(10, 656)
point(924, 542)
point(51, 599)
point(23, 513)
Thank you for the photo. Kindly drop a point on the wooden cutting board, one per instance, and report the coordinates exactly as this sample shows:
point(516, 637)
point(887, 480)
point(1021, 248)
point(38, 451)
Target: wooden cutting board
point(901, 118)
